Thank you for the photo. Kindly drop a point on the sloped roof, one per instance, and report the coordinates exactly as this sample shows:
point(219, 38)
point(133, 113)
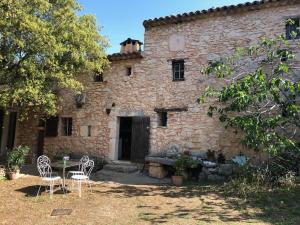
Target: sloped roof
point(248, 6)
point(125, 56)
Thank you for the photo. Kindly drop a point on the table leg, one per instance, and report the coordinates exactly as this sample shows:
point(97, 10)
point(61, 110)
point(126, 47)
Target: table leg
point(64, 179)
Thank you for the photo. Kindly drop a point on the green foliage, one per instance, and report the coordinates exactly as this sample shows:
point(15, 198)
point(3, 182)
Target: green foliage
point(184, 162)
point(44, 46)
point(16, 157)
point(260, 95)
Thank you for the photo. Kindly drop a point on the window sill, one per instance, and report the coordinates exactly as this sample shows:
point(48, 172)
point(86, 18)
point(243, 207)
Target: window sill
point(162, 127)
point(178, 80)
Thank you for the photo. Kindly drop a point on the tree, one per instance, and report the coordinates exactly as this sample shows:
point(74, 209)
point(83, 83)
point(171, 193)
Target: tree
point(260, 94)
point(45, 46)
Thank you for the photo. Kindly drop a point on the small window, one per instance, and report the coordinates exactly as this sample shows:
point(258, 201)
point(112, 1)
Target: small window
point(162, 119)
point(98, 77)
point(89, 134)
point(67, 126)
point(178, 70)
point(128, 71)
point(293, 28)
point(51, 127)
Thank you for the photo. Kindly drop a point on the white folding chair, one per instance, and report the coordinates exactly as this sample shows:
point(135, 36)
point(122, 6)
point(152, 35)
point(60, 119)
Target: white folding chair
point(83, 160)
point(87, 169)
point(46, 174)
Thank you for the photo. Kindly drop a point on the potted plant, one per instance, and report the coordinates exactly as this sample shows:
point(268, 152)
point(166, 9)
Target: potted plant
point(181, 164)
point(16, 159)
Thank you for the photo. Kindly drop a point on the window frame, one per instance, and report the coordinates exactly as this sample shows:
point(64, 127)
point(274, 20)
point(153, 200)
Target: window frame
point(179, 68)
point(66, 126)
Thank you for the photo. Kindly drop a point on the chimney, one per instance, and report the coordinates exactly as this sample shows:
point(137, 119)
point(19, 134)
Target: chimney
point(130, 46)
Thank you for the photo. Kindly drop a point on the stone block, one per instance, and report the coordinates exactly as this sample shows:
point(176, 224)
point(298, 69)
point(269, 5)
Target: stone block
point(225, 169)
point(157, 170)
point(202, 177)
point(216, 178)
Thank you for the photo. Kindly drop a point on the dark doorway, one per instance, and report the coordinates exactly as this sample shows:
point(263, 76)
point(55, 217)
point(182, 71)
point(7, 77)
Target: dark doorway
point(1, 126)
point(40, 143)
point(41, 136)
point(134, 138)
point(11, 130)
point(125, 138)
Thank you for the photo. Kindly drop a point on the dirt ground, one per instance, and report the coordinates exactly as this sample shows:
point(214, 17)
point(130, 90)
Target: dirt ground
point(117, 204)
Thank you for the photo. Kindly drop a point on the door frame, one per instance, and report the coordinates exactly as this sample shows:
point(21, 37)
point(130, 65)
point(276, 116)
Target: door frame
point(114, 126)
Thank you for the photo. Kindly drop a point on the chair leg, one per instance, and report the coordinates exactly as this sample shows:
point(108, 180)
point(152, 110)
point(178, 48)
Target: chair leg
point(51, 189)
point(79, 188)
point(90, 184)
point(39, 191)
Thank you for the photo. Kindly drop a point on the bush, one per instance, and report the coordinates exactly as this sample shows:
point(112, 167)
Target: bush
point(278, 172)
point(16, 157)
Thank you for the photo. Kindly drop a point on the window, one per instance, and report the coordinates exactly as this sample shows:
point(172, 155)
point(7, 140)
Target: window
point(51, 127)
point(128, 71)
point(98, 77)
point(67, 126)
point(293, 27)
point(89, 134)
point(178, 70)
point(162, 119)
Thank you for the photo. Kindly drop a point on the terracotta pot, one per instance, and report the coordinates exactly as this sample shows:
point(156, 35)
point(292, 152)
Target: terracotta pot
point(177, 180)
point(13, 175)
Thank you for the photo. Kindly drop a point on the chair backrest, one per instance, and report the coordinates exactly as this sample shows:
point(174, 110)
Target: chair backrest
point(44, 169)
point(88, 167)
point(43, 160)
point(82, 161)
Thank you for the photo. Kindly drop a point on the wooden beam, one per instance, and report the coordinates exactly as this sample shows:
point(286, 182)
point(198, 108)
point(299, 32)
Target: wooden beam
point(173, 109)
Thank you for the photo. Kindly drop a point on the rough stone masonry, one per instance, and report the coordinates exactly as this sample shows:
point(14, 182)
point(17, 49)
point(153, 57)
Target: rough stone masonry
point(138, 82)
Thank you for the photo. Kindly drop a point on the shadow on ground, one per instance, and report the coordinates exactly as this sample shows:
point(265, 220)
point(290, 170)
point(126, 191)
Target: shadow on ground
point(278, 207)
point(31, 191)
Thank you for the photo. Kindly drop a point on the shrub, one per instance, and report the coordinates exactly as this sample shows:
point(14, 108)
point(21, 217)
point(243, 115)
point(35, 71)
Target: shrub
point(16, 157)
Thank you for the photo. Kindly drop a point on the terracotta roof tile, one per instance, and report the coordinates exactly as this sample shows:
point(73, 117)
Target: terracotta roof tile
point(193, 15)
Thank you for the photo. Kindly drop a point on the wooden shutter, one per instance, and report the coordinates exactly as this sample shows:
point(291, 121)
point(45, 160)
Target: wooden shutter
point(140, 138)
point(11, 130)
point(51, 128)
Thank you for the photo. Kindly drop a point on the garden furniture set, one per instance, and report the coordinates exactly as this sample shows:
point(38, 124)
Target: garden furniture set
point(85, 167)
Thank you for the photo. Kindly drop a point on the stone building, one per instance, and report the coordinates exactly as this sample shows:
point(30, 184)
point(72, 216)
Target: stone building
point(146, 100)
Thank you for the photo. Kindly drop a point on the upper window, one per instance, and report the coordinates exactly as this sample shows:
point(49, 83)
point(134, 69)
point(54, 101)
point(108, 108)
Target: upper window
point(178, 70)
point(128, 71)
point(67, 126)
point(98, 77)
point(292, 27)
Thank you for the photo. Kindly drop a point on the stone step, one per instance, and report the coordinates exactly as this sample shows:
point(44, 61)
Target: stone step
point(121, 166)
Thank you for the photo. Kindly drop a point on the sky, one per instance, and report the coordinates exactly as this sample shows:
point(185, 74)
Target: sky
point(122, 19)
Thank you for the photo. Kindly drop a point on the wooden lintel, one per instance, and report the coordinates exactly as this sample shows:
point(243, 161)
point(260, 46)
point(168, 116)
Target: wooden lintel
point(175, 109)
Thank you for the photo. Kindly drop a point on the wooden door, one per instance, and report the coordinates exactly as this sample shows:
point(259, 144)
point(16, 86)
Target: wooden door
point(140, 138)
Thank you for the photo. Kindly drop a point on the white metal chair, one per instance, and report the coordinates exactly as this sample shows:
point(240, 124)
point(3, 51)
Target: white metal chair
point(83, 160)
point(43, 159)
point(87, 169)
point(48, 177)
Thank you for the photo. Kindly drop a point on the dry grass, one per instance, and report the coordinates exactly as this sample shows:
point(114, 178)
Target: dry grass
point(125, 204)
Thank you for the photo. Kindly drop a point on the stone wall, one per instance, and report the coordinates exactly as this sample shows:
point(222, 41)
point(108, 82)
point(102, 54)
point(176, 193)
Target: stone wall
point(150, 86)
